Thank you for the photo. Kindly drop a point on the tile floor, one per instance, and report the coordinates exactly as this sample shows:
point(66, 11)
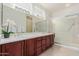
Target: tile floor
point(60, 51)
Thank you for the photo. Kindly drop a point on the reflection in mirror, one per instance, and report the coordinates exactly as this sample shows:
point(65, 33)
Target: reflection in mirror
point(41, 26)
point(21, 20)
point(16, 18)
point(0, 18)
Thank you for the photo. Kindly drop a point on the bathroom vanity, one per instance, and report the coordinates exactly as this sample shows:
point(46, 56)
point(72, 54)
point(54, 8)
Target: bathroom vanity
point(26, 45)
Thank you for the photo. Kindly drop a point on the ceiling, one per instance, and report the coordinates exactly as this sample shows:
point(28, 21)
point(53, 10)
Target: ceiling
point(55, 7)
point(52, 7)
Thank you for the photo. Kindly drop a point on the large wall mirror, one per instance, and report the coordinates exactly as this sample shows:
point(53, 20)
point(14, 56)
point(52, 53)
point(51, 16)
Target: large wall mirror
point(21, 20)
point(0, 18)
point(17, 18)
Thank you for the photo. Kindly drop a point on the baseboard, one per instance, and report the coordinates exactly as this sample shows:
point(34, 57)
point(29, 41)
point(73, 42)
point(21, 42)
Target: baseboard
point(70, 47)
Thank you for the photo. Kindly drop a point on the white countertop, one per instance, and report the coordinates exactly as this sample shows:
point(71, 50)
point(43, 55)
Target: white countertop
point(24, 36)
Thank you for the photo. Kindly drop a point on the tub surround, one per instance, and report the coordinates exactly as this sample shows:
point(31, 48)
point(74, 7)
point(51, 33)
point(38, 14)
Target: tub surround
point(26, 45)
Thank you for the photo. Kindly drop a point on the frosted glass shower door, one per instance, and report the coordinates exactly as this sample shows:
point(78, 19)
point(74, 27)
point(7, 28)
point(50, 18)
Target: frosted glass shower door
point(41, 26)
point(66, 30)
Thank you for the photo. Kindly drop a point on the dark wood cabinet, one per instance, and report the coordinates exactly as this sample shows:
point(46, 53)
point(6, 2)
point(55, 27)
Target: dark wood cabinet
point(28, 47)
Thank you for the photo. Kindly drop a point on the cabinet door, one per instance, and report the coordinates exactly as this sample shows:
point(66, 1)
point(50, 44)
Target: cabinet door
point(43, 43)
point(4, 53)
point(38, 45)
point(38, 42)
point(30, 47)
point(13, 49)
point(48, 40)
